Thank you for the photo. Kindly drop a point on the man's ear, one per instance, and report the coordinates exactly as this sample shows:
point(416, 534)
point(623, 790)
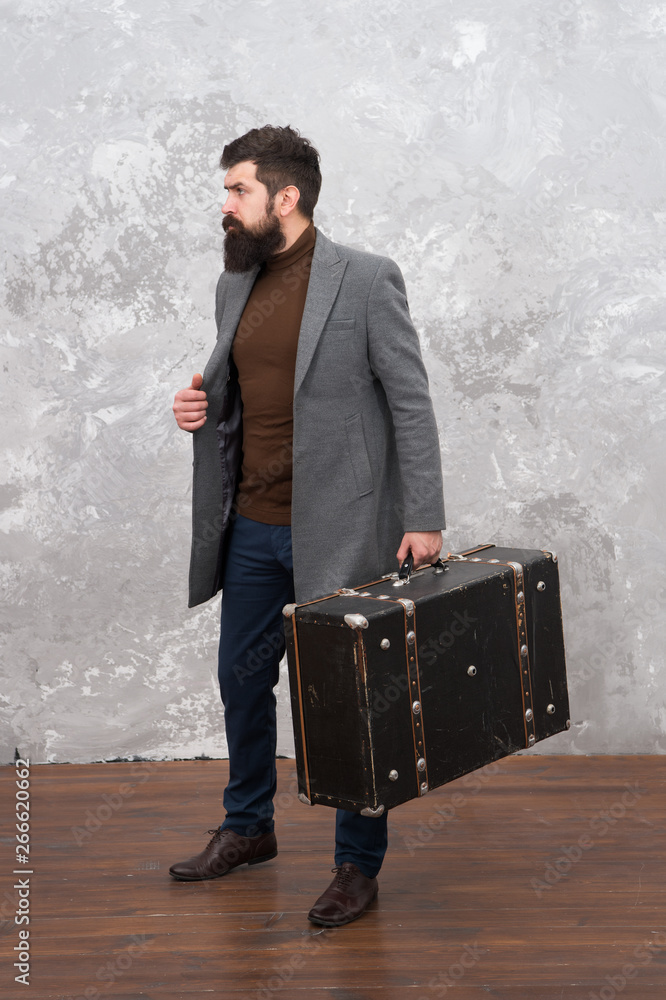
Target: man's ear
point(286, 200)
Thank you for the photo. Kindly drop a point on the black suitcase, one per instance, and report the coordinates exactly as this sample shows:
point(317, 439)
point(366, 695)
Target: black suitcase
point(404, 684)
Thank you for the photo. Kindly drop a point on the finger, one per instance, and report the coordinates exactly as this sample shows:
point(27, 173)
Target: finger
point(425, 557)
point(191, 405)
point(190, 425)
point(190, 394)
point(403, 551)
point(197, 381)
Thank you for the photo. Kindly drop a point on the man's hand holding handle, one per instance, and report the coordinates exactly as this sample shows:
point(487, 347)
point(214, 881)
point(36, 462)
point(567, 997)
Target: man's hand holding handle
point(425, 546)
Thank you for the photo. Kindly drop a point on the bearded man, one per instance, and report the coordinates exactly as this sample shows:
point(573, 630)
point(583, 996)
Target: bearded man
point(316, 464)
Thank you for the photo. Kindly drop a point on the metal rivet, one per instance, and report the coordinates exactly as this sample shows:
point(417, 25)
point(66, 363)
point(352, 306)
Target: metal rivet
point(383, 597)
point(475, 560)
point(532, 740)
point(421, 764)
point(416, 708)
point(393, 775)
point(529, 714)
point(541, 585)
point(346, 592)
point(551, 710)
point(520, 597)
point(493, 560)
point(424, 787)
point(366, 593)
point(568, 723)
point(411, 637)
point(523, 650)
point(471, 670)
point(385, 644)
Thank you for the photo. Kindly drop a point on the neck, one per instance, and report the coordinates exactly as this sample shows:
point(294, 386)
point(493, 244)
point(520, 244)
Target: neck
point(292, 229)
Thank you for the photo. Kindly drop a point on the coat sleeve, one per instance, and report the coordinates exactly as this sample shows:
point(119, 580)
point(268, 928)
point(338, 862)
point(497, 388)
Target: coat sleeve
point(395, 359)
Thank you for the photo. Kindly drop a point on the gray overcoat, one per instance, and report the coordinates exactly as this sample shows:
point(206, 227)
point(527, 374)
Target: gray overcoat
point(366, 460)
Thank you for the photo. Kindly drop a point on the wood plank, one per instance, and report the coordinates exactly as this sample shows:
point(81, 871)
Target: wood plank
point(460, 872)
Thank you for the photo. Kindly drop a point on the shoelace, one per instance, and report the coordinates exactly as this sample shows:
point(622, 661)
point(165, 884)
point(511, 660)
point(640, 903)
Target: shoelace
point(217, 833)
point(345, 875)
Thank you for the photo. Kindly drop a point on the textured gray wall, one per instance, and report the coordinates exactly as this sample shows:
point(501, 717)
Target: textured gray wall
point(508, 154)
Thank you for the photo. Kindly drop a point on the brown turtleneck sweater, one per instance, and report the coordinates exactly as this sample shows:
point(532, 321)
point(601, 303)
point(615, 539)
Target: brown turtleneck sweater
point(264, 352)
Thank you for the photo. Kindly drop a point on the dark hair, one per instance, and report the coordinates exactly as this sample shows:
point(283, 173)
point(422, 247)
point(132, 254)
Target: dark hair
point(283, 157)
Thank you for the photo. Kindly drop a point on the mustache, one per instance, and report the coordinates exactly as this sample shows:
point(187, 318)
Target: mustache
point(228, 221)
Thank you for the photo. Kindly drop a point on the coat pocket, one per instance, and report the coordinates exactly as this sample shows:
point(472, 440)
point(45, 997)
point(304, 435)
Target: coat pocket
point(337, 326)
point(358, 453)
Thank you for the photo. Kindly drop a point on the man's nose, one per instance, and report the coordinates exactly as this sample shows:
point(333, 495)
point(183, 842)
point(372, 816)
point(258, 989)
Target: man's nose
point(228, 206)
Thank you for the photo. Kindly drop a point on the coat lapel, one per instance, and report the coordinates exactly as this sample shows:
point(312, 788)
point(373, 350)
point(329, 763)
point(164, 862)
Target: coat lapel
point(325, 279)
point(238, 292)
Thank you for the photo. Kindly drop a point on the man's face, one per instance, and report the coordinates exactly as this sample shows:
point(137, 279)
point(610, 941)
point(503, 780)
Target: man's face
point(252, 227)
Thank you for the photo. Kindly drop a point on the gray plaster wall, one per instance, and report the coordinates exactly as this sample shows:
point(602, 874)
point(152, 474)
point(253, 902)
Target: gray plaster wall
point(508, 154)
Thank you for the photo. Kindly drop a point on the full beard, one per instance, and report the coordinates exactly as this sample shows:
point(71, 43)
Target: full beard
point(245, 248)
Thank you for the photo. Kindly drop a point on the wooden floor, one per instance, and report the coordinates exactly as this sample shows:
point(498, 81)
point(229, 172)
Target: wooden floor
point(539, 878)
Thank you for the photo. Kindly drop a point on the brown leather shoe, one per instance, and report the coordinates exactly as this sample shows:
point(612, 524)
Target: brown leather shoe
point(347, 897)
point(224, 852)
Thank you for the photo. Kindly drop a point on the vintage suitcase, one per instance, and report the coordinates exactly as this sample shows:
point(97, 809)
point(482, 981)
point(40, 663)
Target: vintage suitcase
point(404, 684)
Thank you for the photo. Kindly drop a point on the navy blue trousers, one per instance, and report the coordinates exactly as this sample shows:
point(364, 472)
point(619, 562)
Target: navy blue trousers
point(258, 581)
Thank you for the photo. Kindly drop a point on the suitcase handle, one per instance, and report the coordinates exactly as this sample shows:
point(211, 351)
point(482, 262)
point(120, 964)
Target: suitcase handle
point(407, 568)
